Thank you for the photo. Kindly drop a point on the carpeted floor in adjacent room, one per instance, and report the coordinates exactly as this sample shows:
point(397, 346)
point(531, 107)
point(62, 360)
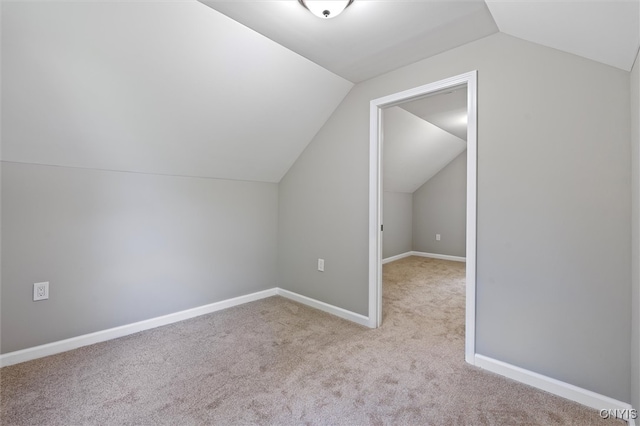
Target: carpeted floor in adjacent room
point(276, 362)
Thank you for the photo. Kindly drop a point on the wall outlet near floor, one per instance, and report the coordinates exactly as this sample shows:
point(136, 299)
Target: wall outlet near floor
point(40, 291)
point(321, 265)
point(437, 237)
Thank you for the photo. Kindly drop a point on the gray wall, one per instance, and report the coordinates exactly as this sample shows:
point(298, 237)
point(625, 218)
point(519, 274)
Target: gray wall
point(123, 247)
point(635, 226)
point(397, 213)
point(553, 258)
point(1, 253)
point(440, 207)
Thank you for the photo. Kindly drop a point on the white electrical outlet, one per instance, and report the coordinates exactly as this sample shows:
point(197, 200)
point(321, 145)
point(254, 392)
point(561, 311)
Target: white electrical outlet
point(40, 291)
point(437, 237)
point(321, 265)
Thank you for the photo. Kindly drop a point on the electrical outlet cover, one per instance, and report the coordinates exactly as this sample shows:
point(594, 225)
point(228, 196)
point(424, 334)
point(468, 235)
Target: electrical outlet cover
point(40, 291)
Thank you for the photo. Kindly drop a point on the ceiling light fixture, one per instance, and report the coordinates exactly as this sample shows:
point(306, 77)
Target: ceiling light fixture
point(326, 9)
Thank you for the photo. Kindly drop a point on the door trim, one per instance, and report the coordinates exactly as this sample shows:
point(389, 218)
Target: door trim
point(376, 188)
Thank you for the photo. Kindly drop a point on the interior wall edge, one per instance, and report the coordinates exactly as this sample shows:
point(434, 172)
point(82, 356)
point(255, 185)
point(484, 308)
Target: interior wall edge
point(133, 172)
point(551, 385)
point(635, 232)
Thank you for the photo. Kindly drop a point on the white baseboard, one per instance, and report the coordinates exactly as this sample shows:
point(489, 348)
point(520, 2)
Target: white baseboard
point(334, 310)
point(113, 333)
point(396, 257)
point(548, 384)
point(125, 330)
point(423, 254)
point(439, 256)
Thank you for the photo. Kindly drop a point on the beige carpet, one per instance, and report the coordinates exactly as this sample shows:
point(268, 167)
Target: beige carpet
point(277, 362)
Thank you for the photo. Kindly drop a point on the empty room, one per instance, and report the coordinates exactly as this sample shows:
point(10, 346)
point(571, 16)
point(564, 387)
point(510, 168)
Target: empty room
point(204, 219)
point(424, 214)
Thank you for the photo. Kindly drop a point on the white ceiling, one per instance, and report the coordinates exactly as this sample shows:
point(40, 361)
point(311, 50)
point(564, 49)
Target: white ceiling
point(157, 87)
point(176, 87)
point(606, 31)
point(370, 37)
point(447, 110)
point(414, 150)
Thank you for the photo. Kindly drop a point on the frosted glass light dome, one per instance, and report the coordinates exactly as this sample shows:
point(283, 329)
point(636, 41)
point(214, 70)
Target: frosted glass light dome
point(326, 9)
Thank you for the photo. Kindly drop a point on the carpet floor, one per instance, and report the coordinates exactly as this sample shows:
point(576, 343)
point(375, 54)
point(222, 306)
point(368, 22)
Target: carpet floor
point(276, 362)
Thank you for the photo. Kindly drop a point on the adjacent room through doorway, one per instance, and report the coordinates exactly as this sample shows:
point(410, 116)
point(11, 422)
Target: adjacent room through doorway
point(424, 213)
point(425, 139)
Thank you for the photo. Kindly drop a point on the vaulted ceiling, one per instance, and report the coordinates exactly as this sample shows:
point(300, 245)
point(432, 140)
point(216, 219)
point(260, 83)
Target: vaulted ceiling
point(606, 31)
point(414, 150)
point(156, 87)
point(372, 37)
point(421, 137)
point(447, 110)
point(237, 89)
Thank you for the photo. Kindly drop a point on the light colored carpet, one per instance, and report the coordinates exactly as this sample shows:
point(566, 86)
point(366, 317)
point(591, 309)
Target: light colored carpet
point(277, 362)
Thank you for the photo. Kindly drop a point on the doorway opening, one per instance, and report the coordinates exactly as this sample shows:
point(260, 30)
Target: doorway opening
point(468, 80)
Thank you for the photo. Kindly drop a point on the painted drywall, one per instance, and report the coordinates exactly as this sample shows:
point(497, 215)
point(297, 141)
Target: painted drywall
point(123, 247)
point(447, 110)
point(569, 26)
point(388, 34)
point(553, 238)
point(397, 213)
point(635, 227)
point(440, 207)
point(1, 244)
point(414, 150)
point(162, 87)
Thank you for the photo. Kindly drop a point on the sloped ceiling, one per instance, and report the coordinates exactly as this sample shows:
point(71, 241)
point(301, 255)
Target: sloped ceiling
point(447, 110)
point(177, 87)
point(606, 31)
point(370, 37)
point(414, 150)
point(158, 87)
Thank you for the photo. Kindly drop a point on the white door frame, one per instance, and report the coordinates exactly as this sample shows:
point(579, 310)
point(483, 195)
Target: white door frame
point(375, 197)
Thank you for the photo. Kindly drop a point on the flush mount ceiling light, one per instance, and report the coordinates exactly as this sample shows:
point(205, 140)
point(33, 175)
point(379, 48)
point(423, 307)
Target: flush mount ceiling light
point(326, 9)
